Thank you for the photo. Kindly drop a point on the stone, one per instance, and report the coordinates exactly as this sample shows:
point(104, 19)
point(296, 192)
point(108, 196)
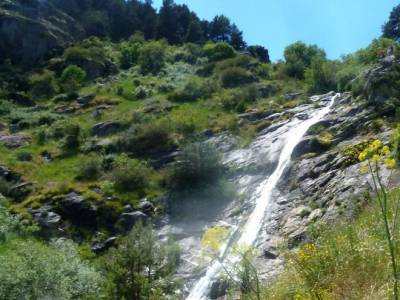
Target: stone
point(146, 207)
point(128, 220)
point(106, 128)
point(78, 209)
point(47, 219)
point(100, 247)
point(85, 100)
point(14, 140)
point(20, 190)
point(8, 175)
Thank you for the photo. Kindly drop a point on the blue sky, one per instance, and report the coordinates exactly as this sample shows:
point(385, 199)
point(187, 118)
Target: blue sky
point(338, 26)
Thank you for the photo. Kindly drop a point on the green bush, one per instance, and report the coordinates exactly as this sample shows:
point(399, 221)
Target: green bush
point(30, 269)
point(152, 57)
point(147, 139)
point(233, 77)
point(43, 85)
point(321, 76)
point(141, 267)
point(193, 89)
point(299, 56)
point(219, 51)
point(238, 99)
point(130, 175)
point(198, 165)
point(129, 55)
point(89, 168)
point(72, 139)
point(24, 156)
point(72, 78)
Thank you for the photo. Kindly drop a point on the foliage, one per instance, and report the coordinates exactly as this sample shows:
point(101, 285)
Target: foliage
point(234, 77)
point(299, 56)
point(259, 52)
point(141, 267)
point(212, 240)
point(89, 168)
point(152, 57)
point(321, 76)
point(147, 139)
point(129, 175)
point(72, 77)
point(391, 28)
point(43, 85)
point(32, 270)
point(218, 51)
point(193, 89)
point(198, 165)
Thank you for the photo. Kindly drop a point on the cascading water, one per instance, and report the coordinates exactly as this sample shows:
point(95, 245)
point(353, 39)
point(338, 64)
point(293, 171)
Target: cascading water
point(249, 232)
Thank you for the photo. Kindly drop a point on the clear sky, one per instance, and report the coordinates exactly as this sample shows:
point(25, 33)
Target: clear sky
point(338, 26)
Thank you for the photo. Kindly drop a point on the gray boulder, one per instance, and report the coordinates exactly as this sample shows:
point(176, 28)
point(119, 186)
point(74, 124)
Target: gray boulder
point(106, 128)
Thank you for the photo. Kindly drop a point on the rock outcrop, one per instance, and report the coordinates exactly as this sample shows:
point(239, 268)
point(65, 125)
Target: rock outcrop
point(32, 30)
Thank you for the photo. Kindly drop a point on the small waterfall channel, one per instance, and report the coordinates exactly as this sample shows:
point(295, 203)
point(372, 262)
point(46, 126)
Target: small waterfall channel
point(290, 135)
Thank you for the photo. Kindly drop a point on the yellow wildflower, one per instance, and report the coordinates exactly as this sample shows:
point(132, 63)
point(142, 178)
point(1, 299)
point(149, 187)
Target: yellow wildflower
point(362, 156)
point(390, 163)
point(375, 158)
point(376, 145)
point(385, 151)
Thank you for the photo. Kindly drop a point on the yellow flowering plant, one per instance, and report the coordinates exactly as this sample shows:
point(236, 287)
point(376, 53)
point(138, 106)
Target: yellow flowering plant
point(375, 155)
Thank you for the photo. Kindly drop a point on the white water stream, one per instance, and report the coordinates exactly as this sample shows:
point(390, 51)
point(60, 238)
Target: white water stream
point(254, 223)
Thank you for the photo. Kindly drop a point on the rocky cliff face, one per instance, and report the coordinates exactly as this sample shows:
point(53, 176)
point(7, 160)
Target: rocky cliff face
point(32, 30)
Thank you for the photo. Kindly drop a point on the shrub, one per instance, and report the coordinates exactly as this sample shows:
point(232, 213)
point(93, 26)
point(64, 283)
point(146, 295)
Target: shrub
point(193, 89)
point(129, 55)
point(152, 57)
point(198, 165)
point(147, 139)
point(89, 168)
point(218, 51)
point(299, 56)
point(72, 77)
point(130, 175)
point(71, 140)
point(24, 156)
point(141, 267)
point(43, 85)
point(321, 76)
point(235, 76)
point(238, 99)
point(54, 272)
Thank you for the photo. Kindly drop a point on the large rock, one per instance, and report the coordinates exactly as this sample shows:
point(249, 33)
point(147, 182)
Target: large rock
point(129, 219)
point(14, 140)
point(106, 128)
point(32, 30)
point(78, 209)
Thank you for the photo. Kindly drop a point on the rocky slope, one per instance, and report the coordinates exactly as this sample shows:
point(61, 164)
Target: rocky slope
point(33, 30)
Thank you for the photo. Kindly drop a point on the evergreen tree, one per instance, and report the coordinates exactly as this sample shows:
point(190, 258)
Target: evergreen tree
point(391, 29)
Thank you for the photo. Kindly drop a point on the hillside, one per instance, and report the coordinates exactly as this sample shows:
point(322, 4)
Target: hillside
point(129, 159)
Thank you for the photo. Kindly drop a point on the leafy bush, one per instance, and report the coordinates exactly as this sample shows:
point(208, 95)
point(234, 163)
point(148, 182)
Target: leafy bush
point(237, 99)
point(218, 51)
point(299, 56)
point(141, 267)
point(321, 76)
point(72, 78)
point(43, 85)
point(198, 165)
point(152, 57)
point(129, 55)
point(235, 76)
point(89, 168)
point(24, 156)
point(71, 141)
point(147, 139)
point(32, 270)
point(130, 175)
point(193, 89)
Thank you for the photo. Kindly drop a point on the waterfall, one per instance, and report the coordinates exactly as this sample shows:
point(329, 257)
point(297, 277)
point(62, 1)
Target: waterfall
point(248, 234)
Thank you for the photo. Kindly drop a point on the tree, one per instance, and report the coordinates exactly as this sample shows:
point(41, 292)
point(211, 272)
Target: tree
point(151, 57)
point(299, 56)
point(259, 52)
point(195, 32)
point(72, 77)
point(168, 22)
point(43, 84)
point(220, 29)
point(218, 51)
point(236, 39)
point(141, 266)
point(391, 29)
point(321, 76)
